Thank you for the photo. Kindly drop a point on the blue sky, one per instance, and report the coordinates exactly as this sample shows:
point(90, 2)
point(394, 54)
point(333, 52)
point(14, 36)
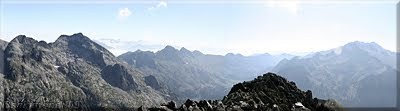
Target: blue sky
point(211, 27)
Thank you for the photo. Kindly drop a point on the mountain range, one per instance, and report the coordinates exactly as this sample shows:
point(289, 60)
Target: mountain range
point(72, 72)
point(344, 73)
point(357, 74)
point(200, 76)
point(76, 72)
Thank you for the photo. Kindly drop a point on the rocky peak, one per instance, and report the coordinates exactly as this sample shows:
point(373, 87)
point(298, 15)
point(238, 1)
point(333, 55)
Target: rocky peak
point(184, 50)
point(169, 48)
point(81, 46)
point(22, 39)
point(198, 53)
point(72, 72)
point(269, 90)
point(79, 40)
point(170, 53)
point(139, 58)
point(364, 46)
point(78, 37)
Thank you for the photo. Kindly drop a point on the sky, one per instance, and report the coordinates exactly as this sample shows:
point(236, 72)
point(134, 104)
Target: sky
point(213, 27)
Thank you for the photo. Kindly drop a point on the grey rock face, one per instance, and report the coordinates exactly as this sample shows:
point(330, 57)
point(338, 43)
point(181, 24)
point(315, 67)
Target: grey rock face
point(3, 45)
point(72, 72)
point(117, 76)
point(152, 81)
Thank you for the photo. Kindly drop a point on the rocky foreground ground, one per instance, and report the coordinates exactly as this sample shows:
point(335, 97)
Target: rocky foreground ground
point(269, 92)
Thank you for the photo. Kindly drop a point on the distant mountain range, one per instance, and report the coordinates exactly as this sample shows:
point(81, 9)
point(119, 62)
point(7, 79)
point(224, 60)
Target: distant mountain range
point(357, 74)
point(344, 73)
point(200, 76)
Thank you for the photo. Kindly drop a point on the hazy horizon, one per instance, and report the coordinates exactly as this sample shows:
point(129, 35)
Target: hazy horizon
point(245, 27)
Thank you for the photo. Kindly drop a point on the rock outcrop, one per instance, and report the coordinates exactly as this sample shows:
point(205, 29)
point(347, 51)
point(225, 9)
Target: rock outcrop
point(269, 92)
point(71, 73)
point(152, 82)
point(3, 45)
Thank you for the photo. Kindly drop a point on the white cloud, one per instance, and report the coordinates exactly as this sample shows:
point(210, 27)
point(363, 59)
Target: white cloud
point(161, 4)
point(124, 12)
point(292, 6)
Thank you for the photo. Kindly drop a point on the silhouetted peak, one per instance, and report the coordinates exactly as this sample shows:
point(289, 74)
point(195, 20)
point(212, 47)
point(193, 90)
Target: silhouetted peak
point(77, 37)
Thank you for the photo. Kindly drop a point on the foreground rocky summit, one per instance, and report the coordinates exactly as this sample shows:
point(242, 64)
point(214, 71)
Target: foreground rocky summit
point(269, 92)
point(71, 73)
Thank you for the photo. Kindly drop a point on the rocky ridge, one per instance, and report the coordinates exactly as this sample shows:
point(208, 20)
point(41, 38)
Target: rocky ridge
point(268, 92)
point(72, 72)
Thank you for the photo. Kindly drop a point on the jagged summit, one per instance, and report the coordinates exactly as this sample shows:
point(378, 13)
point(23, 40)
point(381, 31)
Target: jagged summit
point(22, 39)
point(73, 37)
point(77, 37)
point(184, 50)
point(271, 89)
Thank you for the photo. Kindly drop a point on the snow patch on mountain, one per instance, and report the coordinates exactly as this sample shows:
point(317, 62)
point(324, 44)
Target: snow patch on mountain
point(338, 50)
